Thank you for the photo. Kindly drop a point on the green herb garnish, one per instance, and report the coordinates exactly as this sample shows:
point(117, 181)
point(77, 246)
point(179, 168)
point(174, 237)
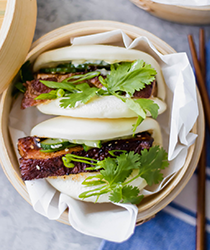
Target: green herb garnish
point(125, 77)
point(73, 93)
point(129, 77)
point(114, 173)
point(140, 107)
point(59, 85)
point(83, 95)
point(26, 74)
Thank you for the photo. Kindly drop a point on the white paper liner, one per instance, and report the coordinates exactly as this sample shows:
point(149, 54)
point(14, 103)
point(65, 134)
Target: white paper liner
point(109, 221)
point(191, 3)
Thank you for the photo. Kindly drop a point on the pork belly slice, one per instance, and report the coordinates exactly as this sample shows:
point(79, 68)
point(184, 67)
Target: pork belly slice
point(28, 148)
point(34, 88)
point(35, 164)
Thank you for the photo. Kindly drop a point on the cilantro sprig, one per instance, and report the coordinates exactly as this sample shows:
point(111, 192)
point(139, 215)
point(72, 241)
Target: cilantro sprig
point(113, 177)
point(128, 77)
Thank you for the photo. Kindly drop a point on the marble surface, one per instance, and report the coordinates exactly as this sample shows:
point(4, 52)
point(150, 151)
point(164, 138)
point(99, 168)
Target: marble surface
point(20, 227)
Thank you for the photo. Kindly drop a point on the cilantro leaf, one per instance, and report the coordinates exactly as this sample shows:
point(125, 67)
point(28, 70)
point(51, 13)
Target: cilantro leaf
point(126, 163)
point(129, 77)
point(59, 85)
point(117, 170)
point(109, 166)
point(147, 104)
point(135, 106)
point(130, 194)
point(126, 194)
point(141, 106)
point(83, 95)
point(116, 194)
point(152, 162)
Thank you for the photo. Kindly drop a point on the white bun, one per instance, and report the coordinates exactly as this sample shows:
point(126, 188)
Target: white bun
point(88, 129)
point(94, 129)
point(98, 107)
point(109, 54)
point(72, 185)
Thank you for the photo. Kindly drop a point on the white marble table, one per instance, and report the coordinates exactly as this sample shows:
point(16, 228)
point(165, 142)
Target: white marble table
point(20, 227)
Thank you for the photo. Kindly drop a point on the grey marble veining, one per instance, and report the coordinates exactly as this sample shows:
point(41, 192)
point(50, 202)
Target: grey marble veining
point(20, 227)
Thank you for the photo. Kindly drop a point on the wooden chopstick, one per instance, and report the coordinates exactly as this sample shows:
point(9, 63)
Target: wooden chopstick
point(202, 53)
point(201, 193)
point(200, 232)
point(201, 81)
point(200, 69)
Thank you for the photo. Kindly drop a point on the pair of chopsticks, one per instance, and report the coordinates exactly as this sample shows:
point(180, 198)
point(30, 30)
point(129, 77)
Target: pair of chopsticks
point(200, 70)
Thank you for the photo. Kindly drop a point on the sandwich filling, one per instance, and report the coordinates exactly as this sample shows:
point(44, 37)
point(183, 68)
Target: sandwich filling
point(36, 87)
point(133, 84)
point(36, 162)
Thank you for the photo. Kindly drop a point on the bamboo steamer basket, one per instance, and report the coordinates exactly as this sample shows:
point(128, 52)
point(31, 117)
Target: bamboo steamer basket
point(60, 37)
point(174, 13)
point(17, 26)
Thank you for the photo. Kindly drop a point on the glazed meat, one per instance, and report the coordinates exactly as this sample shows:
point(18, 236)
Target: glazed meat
point(35, 164)
point(147, 92)
point(33, 89)
point(28, 149)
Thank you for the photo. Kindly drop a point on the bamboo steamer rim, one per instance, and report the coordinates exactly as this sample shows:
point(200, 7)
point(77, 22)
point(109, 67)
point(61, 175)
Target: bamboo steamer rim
point(9, 161)
point(150, 2)
point(176, 13)
point(207, 8)
point(16, 34)
point(7, 20)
